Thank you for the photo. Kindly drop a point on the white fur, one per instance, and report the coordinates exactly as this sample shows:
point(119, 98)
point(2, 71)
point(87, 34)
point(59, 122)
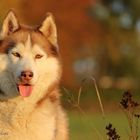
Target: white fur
point(18, 119)
point(25, 118)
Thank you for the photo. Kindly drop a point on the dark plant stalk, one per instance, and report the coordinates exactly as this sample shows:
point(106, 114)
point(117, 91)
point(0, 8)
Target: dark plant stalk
point(129, 108)
point(137, 116)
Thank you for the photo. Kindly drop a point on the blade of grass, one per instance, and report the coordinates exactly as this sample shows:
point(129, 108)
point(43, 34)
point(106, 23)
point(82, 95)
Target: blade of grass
point(99, 97)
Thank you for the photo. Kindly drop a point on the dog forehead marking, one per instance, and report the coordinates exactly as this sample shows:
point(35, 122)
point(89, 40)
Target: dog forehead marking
point(28, 42)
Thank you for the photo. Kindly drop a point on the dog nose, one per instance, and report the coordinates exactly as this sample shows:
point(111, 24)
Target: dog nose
point(26, 75)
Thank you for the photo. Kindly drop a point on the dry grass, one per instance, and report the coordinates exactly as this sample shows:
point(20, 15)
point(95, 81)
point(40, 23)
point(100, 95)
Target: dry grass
point(127, 104)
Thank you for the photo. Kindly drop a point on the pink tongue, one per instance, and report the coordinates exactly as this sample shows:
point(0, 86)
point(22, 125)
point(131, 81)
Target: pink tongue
point(25, 90)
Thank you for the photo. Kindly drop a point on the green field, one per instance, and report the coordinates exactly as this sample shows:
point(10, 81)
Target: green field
point(88, 123)
point(92, 127)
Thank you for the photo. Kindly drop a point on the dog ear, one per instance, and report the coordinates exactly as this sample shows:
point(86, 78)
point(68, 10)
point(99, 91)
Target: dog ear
point(48, 28)
point(10, 24)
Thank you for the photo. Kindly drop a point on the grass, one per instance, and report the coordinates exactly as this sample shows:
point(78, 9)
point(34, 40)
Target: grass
point(87, 124)
point(92, 126)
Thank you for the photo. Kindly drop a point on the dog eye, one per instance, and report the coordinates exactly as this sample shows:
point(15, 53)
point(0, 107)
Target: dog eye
point(38, 56)
point(16, 54)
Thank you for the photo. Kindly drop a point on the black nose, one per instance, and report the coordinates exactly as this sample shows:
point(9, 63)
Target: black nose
point(26, 75)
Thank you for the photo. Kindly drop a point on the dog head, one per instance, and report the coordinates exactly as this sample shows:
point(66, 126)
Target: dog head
point(32, 56)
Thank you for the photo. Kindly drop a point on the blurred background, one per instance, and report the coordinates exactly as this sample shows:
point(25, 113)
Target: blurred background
point(98, 39)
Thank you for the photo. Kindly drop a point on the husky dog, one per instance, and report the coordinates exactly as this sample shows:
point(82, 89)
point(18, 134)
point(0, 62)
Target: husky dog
point(30, 71)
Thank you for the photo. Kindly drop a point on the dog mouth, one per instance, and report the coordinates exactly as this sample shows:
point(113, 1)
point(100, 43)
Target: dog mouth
point(25, 90)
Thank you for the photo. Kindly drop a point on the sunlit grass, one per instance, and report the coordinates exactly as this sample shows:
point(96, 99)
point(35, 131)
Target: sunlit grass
point(87, 124)
point(92, 126)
